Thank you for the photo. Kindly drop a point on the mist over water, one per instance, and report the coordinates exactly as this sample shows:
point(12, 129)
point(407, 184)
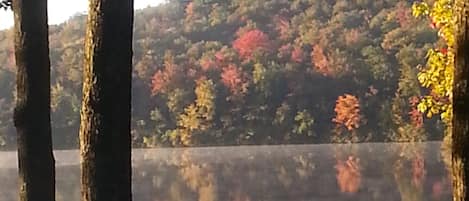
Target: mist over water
point(411, 172)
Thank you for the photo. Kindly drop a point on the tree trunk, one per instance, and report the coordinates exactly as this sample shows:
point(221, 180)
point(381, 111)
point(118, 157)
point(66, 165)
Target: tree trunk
point(460, 147)
point(32, 112)
point(105, 142)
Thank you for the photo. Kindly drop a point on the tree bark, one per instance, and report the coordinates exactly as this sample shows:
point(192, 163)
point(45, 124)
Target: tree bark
point(105, 142)
point(460, 134)
point(32, 112)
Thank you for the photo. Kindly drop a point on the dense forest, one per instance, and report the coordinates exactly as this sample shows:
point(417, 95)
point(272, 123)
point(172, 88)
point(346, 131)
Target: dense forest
point(215, 72)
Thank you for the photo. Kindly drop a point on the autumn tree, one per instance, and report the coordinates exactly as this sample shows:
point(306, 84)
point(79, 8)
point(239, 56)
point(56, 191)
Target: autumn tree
point(285, 97)
point(105, 141)
point(320, 61)
point(409, 174)
point(197, 116)
point(447, 75)
point(347, 116)
point(348, 112)
point(254, 41)
point(232, 77)
point(32, 112)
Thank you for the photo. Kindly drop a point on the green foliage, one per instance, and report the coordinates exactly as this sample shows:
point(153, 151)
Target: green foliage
point(304, 123)
point(254, 71)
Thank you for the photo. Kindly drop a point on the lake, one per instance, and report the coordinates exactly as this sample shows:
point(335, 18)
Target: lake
point(358, 172)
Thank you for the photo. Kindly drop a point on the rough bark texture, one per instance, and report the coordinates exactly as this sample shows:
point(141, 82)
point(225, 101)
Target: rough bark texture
point(105, 145)
point(32, 112)
point(460, 147)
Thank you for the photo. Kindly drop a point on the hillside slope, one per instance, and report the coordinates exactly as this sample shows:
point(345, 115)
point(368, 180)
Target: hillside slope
point(253, 72)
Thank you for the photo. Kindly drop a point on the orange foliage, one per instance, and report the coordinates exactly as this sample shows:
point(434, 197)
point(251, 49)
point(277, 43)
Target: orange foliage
point(159, 81)
point(320, 61)
point(233, 78)
point(347, 112)
point(348, 175)
point(250, 42)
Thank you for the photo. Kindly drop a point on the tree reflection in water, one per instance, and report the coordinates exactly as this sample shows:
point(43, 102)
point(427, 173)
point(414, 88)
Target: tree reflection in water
point(409, 172)
point(359, 172)
point(348, 174)
point(199, 177)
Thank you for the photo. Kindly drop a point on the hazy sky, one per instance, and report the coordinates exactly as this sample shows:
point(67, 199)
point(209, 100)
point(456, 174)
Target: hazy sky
point(61, 10)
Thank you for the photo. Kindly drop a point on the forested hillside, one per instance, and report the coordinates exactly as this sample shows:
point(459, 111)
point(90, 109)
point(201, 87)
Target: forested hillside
point(212, 72)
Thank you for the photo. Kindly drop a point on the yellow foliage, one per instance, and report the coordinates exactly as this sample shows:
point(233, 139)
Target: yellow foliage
point(197, 116)
point(438, 73)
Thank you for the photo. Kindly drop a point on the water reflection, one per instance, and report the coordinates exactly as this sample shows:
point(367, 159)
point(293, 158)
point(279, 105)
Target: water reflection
point(407, 172)
point(348, 174)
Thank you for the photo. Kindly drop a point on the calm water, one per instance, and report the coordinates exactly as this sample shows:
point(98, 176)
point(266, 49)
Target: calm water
point(381, 172)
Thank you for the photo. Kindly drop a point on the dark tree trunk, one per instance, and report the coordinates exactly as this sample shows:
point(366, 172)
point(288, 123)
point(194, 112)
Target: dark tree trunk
point(32, 112)
point(105, 142)
point(460, 147)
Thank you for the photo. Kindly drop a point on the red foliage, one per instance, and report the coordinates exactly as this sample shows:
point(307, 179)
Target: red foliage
point(444, 50)
point(297, 55)
point(220, 56)
point(437, 190)
point(162, 78)
point(418, 170)
point(347, 112)
point(159, 81)
point(232, 77)
point(224, 56)
point(250, 42)
point(433, 25)
point(348, 175)
point(416, 117)
point(403, 14)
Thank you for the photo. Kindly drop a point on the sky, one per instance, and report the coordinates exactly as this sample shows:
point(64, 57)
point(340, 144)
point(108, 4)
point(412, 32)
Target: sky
point(61, 10)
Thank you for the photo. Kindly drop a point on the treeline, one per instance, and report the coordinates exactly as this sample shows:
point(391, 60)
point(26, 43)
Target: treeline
point(252, 72)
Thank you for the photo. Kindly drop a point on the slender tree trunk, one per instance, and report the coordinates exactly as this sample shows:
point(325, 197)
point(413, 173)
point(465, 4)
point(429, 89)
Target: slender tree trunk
point(105, 145)
point(32, 112)
point(460, 147)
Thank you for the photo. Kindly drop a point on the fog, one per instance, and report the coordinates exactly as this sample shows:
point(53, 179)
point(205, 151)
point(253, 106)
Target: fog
point(272, 173)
